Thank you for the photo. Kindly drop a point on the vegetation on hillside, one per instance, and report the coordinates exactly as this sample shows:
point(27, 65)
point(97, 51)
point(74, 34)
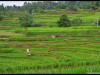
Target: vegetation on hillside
point(26, 20)
point(63, 37)
point(64, 21)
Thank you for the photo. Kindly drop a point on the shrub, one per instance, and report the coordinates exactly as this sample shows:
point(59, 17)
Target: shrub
point(76, 22)
point(64, 21)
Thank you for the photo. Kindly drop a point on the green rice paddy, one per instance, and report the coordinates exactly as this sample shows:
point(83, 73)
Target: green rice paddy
point(74, 50)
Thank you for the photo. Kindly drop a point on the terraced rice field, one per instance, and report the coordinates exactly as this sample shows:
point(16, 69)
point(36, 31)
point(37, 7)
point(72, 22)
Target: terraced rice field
point(54, 50)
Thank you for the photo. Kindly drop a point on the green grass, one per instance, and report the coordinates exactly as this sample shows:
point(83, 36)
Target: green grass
point(74, 50)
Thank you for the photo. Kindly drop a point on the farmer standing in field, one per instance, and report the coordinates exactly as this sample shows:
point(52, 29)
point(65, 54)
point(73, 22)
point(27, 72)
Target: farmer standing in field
point(28, 52)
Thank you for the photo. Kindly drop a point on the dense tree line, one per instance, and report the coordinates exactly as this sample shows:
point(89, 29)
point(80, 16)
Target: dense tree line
point(51, 5)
